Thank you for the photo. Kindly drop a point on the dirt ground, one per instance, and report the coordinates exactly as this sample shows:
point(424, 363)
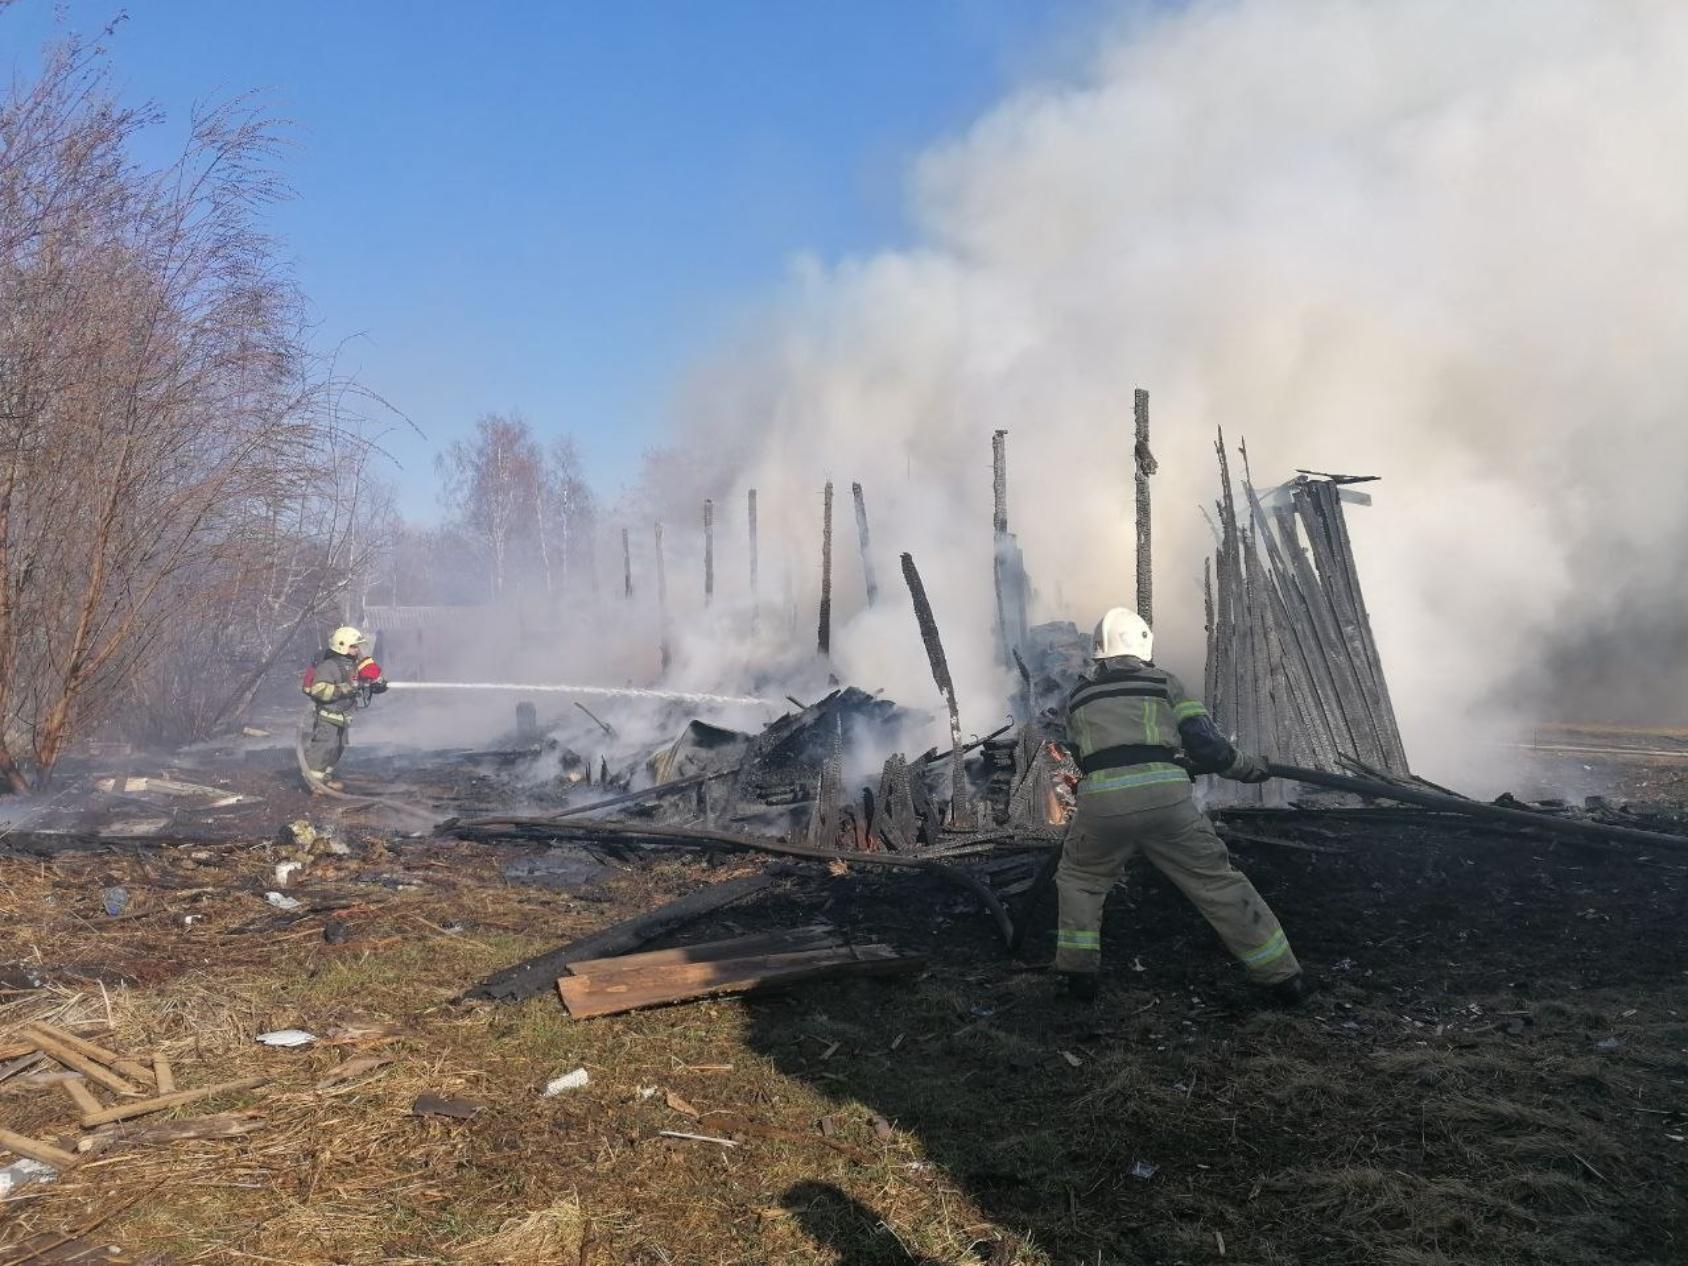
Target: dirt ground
point(1494, 1072)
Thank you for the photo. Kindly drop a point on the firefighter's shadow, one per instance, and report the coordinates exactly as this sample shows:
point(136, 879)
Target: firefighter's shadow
point(932, 1084)
point(852, 1230)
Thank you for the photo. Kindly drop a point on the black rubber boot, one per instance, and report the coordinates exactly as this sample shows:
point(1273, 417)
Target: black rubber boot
point(1294, 991)
point(1079, 986)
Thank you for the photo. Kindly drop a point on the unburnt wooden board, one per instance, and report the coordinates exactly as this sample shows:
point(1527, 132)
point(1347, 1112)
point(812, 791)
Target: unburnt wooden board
point(629, 990)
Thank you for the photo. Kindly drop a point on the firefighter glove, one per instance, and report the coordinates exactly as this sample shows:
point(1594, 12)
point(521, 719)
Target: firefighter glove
point(1248, 768)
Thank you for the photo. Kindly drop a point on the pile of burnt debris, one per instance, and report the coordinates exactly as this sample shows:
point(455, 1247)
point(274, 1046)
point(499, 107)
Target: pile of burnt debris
point(1293, 670)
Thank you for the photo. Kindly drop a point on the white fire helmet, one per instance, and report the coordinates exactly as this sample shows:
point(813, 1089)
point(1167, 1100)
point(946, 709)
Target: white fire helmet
point(1121, 631)
point(345, 640)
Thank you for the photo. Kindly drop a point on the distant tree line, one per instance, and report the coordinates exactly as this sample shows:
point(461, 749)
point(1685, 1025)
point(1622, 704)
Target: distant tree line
point(520, 525)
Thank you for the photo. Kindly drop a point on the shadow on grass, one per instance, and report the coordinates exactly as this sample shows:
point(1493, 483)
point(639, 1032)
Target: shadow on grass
point(1177, 1120)
point(846, 1226)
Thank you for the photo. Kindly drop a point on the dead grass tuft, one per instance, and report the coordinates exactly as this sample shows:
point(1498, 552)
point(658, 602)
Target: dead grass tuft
point(549, 1237)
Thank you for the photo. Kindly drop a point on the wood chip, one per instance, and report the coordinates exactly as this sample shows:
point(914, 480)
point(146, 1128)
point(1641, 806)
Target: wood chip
point(352, 1068)
point(882, 1129)
point(163, 1075)
point(439, 1106)
point(697, 1138)
point(1072, 1059)
point(353, 1034)
point(680, 1105)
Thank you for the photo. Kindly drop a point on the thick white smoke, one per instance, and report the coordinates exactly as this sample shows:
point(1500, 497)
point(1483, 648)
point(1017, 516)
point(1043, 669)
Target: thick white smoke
point(1441, 242)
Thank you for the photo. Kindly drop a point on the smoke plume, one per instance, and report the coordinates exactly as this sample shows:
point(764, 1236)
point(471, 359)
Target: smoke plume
point(1439, 242)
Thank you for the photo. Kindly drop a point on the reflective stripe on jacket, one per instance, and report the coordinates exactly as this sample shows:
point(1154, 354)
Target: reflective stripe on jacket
point(329, 684)
point(1128, 723)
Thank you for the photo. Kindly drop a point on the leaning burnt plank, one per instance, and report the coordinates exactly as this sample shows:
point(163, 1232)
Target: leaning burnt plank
point(795, 940)
point(534, 976)
point(1477, 809)
point(697, 837)
point(652, 986)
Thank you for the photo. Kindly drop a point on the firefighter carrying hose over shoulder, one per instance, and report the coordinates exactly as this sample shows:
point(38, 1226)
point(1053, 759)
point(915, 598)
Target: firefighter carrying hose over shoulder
point(342, 677)
point(1138, 734)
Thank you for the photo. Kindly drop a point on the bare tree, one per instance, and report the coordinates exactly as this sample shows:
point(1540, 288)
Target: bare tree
point(159, 424)
point(565, 514)
point(491, 483)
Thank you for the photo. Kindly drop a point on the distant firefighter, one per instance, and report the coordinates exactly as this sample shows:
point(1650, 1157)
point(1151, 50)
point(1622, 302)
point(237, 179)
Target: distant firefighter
point(341, 679)
point(1138, 734)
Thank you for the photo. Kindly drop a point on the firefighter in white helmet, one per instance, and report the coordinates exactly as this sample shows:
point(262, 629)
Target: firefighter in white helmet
point(1138, 735)
point(342, 676)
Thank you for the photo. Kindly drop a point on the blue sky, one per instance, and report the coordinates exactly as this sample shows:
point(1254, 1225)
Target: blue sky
point(556, 207)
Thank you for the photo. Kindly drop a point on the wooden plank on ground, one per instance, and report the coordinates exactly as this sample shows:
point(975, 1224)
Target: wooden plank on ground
point(93, 1070)
point(533, 977)
point(36, 1150)
point(99, 1054)
point(124, 1111)
point(587, 996)
point(81, 1096)
point(163, 1075)
point(222, 1125)
point(790, 941)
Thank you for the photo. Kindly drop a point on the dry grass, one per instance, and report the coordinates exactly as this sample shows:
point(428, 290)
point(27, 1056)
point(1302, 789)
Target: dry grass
point(347, 1174)
point(1346, 1135)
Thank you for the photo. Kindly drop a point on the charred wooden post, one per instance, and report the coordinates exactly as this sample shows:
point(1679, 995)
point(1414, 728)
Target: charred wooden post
point(826, 819)
point(1008, 566)
point(1389, 732)
point(897, 823)
point(1235, 684)
point(999, 484)
point(1208, 627)
point(1145, 465)
point(960, 815)
point(1293, 666)
point(626, 566)
point(867, 549)
point(999, 536)
point(755, 597)
point(824, 633)
point(1347, 642)
point(708, 552)
point(1305, 671)
point(1336, 685)
point(662, 603)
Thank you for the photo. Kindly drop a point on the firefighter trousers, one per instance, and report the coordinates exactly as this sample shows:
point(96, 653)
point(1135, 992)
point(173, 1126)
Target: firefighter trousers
point(324, 745)
point(1180, 842)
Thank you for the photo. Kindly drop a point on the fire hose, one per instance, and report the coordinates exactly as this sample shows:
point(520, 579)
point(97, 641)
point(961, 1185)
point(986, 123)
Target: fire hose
point(607, 692)
point(1478, 809)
